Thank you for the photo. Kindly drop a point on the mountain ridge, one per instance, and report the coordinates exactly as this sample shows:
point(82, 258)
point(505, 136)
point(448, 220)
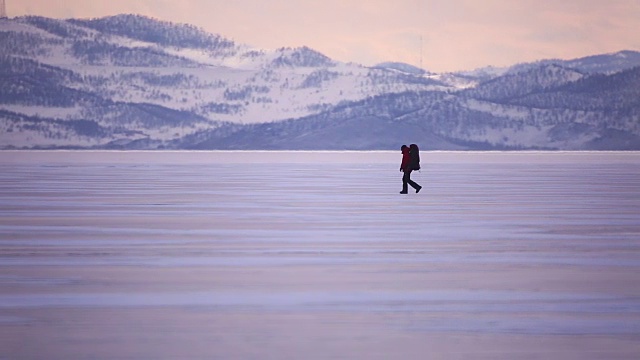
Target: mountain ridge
point(130, 81)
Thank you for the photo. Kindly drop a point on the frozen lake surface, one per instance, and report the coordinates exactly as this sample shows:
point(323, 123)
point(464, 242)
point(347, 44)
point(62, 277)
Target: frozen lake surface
point(315, 255)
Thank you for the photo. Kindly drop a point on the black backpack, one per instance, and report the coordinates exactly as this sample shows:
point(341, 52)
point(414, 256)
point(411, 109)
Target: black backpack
point(414, 154)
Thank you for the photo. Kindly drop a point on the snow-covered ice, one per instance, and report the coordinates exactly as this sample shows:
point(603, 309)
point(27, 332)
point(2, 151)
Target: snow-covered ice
point(315, 255)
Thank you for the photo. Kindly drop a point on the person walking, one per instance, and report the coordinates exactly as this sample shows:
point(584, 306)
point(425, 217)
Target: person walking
point(409, 163)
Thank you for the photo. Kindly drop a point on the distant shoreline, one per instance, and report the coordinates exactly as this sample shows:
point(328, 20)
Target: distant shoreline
point(358, 157)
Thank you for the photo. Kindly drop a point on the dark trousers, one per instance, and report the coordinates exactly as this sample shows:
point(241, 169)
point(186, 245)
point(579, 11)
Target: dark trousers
point(406, 179)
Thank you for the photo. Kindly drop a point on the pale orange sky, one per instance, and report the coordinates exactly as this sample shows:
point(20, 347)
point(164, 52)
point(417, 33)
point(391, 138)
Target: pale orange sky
point(456, 34)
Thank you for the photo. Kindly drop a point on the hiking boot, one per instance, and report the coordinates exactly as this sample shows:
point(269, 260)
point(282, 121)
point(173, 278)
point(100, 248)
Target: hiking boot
point(418, 189)
point(404, 192)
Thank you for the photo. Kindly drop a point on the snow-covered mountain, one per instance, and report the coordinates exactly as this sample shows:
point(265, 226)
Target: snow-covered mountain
point(597, 112)
point(129, 81)
point(594, 64)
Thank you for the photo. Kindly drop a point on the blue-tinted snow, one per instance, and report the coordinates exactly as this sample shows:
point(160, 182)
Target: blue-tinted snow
point(316, 255)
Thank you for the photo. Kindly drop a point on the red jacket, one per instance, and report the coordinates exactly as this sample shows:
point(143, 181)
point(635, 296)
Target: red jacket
point(406, 159)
